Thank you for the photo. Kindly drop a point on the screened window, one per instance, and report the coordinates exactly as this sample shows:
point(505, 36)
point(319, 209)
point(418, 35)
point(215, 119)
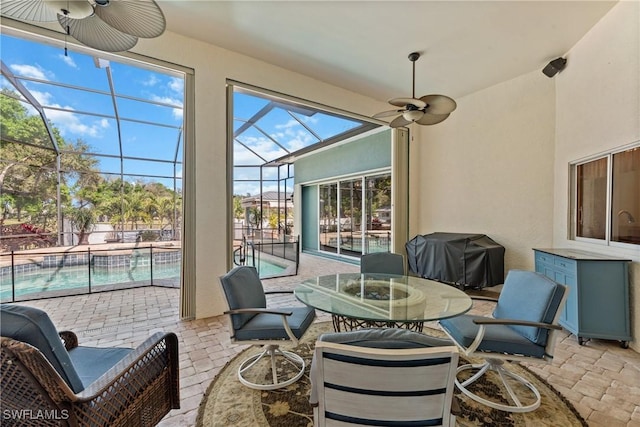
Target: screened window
point(607, 195)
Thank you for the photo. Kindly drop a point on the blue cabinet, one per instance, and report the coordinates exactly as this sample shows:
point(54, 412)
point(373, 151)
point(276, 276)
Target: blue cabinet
point(598, 301)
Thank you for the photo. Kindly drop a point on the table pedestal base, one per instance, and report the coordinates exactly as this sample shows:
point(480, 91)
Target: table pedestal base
point(342, 323)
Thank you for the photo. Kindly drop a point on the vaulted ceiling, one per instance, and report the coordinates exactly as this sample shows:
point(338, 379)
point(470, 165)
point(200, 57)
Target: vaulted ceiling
point(363, 45)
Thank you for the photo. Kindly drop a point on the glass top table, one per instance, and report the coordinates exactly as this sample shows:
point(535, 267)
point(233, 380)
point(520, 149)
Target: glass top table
point(375, 300)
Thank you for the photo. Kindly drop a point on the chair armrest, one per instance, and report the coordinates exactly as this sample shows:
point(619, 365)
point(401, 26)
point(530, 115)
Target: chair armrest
point(514, 322)
point(481, 298)
point(258, 311)
point(69, 339)
point(155, 357)
point(278, 292)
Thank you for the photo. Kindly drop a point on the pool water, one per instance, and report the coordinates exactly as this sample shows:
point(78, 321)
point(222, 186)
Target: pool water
point(77, 278)
point(74, 280)
point(266, 268)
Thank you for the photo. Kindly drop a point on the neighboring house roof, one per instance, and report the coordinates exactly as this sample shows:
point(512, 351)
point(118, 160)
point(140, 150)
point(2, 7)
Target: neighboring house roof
point(269, 198)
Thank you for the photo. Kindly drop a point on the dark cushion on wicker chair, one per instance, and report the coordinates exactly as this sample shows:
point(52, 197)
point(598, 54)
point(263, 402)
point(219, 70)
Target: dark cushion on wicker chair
point(112, 387)
point(91, 362)
point(33, 326)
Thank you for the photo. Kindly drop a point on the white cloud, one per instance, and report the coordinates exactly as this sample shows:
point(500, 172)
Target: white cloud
point(44, 98)
point(70, 123)
point(177, 112)
point(288, 125)
point(151, 81)
point(167, 100)
point(33, 71)
point(263, 146)
point(176, 84)
point(68, 60)
point(67, 122)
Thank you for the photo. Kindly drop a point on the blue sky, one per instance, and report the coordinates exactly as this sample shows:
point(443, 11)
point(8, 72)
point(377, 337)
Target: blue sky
point(84, 110)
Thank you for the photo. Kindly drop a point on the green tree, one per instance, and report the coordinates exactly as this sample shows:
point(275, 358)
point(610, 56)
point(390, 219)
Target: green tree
point(29, 164)
point(238, 210)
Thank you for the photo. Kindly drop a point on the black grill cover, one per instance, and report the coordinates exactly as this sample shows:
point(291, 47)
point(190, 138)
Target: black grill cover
point(468, 259)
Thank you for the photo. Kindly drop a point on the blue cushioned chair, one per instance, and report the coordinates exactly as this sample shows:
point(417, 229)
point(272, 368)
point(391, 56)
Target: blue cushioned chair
point(523, 326)
point(382, 263)
point(253, 323)
point(383, 377)
point(43, 370)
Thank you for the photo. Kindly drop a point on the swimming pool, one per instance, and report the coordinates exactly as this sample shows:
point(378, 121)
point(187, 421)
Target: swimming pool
point(72, 280)
point(80, 279)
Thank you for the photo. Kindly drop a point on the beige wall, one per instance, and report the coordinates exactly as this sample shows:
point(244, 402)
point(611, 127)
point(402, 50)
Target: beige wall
point(598, 109)
point(489, 168)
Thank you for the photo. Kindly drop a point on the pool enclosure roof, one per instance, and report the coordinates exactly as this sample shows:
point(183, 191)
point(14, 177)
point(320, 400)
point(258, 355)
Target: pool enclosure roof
point(131, 115)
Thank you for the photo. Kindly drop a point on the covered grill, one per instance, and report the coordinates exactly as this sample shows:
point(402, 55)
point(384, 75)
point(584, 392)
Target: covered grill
point(473, 260)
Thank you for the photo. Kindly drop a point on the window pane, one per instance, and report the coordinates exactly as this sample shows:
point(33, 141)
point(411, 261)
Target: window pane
point(351, 217)
point(328, 215)
point(625, 197)
point(378, 213)
point(592, 199)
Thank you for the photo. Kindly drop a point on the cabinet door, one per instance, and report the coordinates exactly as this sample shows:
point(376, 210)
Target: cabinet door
point(570, 315)
point(604, 300)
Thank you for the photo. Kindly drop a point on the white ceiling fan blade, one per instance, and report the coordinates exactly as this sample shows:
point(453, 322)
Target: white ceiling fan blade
point(94, 32)
point(439, 104)
point(399, 122)
point(76, 9)
point(403, 102)
point(387, 113)
point(431, 119)
point(35, 10)
point(140, 18)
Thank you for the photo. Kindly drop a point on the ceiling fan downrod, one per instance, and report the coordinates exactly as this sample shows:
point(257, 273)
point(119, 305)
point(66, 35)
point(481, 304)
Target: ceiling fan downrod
point(413, 57)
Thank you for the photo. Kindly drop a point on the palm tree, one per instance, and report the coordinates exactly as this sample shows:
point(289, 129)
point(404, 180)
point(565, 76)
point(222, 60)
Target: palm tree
point(83, 219)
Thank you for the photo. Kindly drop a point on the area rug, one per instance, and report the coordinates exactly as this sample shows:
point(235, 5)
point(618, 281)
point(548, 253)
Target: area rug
point(229, 403)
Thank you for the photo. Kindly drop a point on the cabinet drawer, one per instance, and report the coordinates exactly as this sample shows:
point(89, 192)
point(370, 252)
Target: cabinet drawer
point(565, 264)
point(544, 258)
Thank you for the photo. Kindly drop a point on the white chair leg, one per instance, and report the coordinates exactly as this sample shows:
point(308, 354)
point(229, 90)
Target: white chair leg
point(498, 366)
point(273, 352)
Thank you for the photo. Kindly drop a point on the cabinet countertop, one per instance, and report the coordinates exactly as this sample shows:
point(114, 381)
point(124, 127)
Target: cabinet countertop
point(579, 255)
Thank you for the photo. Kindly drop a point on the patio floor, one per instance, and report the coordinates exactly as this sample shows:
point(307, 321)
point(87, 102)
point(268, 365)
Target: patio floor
point(600, 379)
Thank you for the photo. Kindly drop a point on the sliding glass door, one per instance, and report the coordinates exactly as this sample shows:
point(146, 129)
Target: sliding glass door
point(355, 215)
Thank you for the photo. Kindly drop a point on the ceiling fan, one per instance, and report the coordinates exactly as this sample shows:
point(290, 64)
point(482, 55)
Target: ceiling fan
point(108, 25)
point(428, 110)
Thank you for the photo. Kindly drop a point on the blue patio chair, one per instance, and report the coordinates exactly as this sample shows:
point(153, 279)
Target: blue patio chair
point(383, 377)
point(382, 263)
point(523, 328)
point(253, 323)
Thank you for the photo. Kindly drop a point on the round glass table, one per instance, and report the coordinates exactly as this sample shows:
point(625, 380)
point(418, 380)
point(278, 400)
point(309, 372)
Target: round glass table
point(376, 300)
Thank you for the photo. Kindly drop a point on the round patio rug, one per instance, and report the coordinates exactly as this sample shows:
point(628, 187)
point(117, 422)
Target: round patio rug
point(229, 403)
